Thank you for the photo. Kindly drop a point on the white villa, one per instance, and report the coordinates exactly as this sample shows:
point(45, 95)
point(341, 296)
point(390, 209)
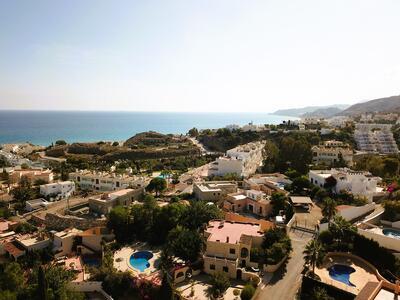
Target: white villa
point(359, 183)
point(60, 190)
point(242, 160)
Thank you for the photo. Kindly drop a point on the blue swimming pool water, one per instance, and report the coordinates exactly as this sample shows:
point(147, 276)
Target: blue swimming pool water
point(392, 233)
point(341, 273)
point(140, 260)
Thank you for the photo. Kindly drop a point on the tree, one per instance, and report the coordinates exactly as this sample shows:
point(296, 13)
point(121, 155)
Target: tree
point(42, 284)
point(278, 202)
point(193, 132)
point(313, 254)
point(61, 143)
point(199, 213)
point(23, 192)
point(219, 284)
point(119, 221)
point(157, 185)
point(247, 292)
point(184, 243)
point(271, 155)
point(118, 284)
point(343, 232)
point(299, 185)
point(12, 278)
point(319, 293)
point(329, 208)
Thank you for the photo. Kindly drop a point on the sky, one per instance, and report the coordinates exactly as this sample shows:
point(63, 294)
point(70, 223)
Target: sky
point(196, 55)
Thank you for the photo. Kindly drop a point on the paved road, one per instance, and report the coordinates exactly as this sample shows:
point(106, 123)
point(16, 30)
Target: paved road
point(286, 281)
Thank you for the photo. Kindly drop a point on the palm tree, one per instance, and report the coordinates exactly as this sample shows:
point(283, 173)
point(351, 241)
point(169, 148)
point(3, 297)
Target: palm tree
point(329, 208)
point(313, 254)
point(342, 230)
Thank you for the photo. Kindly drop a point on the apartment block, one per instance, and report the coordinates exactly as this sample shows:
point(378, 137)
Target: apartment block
point(329, 153)
point(103, 181)
point(59, 190)
point(242, 160)
point(375, 138)
point(32, 175)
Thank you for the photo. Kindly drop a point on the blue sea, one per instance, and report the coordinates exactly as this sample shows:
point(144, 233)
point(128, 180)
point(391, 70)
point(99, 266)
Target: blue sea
point(45, 127)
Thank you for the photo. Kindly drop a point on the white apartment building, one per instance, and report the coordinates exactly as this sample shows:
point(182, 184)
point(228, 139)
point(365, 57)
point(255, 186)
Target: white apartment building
point(375, 138)
point(359, 183)
point(103, 181)
point(242, 160)
point(59, 190)
point(329, 153)
point(338, 121)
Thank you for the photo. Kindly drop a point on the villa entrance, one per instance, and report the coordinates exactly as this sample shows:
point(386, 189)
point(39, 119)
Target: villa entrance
point(239, 274)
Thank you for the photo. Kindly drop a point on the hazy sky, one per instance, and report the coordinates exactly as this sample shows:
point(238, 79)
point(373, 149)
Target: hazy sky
point(197, 55)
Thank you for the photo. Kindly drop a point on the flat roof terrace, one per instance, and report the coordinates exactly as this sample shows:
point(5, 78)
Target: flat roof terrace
point(223, 231)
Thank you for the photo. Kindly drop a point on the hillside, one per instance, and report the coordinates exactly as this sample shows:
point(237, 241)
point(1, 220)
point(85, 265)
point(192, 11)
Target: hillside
point(323, 112)
point(388, 104)
point(298, 112)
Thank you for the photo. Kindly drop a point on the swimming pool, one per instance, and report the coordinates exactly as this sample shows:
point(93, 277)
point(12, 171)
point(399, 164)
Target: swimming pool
point(341, 273)
point(391, 233)
point(140, 260)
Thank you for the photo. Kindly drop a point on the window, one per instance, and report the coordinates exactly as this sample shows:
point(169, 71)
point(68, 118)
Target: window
point(225, 269)
point(212, 267)
point(232, 251)
point(244, 252)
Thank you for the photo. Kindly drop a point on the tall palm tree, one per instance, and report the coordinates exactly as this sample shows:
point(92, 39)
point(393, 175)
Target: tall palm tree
point(342, 230)
point(329, 208)
point(313, 254)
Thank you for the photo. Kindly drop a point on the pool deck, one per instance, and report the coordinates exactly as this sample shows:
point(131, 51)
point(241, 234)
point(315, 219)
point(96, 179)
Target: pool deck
point(363, 273)
point(122, 256)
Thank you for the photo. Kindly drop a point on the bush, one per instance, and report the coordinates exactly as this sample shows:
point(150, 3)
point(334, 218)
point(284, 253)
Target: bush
point(247, 292)
point(219, 284)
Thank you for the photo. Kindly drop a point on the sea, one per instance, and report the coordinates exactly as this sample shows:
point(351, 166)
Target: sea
point(45, 127)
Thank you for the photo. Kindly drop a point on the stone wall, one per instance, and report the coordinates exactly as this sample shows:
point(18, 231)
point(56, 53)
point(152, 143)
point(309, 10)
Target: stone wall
point(59, 222)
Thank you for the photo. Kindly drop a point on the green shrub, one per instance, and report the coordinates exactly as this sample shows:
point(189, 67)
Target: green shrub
point(247, 292)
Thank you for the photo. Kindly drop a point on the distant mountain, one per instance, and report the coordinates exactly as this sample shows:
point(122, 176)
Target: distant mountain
point(322, 112)
point(298, 112)
point(388, 104)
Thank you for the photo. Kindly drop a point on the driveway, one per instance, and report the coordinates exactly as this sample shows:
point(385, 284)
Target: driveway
point(286, 281)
